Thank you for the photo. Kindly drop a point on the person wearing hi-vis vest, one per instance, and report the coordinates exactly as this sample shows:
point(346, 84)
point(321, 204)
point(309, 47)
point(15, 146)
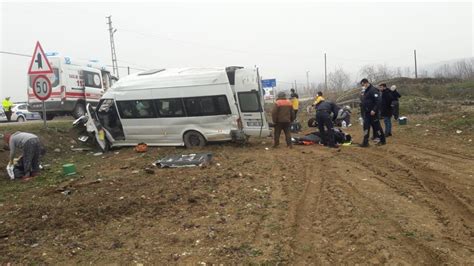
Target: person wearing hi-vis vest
point(295, 102)
point(7, 108)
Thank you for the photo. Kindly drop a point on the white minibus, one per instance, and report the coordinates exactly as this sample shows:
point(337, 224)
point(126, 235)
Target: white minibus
point(179, 107)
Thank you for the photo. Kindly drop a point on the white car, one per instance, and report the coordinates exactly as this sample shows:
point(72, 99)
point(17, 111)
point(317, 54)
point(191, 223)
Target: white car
point(20, 113)
point(3, 117)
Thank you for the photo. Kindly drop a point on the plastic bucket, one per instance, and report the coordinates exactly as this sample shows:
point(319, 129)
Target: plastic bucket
point(402, 120)
point(69, 169)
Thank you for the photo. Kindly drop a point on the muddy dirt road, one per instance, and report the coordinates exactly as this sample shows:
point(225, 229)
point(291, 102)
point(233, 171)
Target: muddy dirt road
point(409, 202)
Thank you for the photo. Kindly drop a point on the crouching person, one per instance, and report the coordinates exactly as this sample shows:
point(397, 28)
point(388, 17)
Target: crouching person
point(30, 145)
point(324, 109)
point(282, 116)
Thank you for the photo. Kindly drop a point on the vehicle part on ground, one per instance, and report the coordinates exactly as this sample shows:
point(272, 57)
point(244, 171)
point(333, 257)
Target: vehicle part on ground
point(79, 110)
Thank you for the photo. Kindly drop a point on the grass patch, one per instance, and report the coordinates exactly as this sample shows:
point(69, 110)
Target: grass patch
point(58, 135)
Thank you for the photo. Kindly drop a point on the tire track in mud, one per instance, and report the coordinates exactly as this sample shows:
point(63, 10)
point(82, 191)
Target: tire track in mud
point(431, 184)
point(452, 164)
point(436, 152)
point(273, 219)
point(453, 213)
point(304, 214)
point(415, 249)
point(349, 223)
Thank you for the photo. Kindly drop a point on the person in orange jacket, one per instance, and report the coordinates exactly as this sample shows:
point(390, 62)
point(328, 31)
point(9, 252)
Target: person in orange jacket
point(282, 116)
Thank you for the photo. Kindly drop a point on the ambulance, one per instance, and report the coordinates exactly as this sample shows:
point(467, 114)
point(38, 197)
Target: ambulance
point(75, 83)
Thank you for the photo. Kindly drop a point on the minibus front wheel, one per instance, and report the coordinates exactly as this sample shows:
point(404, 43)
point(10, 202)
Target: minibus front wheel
point(194, 139)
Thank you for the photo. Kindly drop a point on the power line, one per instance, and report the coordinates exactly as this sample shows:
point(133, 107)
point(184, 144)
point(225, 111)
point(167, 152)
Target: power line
point(140, 68)
point(162, 36)
point(12, 53)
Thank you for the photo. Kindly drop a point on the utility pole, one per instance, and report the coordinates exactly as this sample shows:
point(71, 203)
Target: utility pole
point(112, 46)
point(295, 85)
point(128, 70)
point(416, 68)
point(325, 73)
point(307, 80)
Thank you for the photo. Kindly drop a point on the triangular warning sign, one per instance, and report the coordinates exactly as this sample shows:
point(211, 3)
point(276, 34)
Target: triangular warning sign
point(39, 63)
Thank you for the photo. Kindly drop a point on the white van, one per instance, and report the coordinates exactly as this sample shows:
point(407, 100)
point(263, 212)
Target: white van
point(180, 107)
point(75, 83)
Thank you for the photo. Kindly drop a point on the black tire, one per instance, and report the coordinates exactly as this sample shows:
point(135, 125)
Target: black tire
point(79, 110)
point(48, 116)
point(21, 119)
point(194, 139)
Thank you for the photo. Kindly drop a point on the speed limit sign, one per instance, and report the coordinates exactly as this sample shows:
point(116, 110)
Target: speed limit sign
point(42, 87)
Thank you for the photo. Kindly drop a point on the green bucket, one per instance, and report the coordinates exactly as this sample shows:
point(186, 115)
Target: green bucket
point(69, 169)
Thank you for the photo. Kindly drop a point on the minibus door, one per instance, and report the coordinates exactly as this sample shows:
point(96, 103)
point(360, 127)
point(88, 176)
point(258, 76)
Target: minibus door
point(250, 103)
point(93, 125)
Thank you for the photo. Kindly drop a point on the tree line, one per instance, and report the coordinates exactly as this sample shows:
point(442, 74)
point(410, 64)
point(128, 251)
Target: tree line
point(340, 80)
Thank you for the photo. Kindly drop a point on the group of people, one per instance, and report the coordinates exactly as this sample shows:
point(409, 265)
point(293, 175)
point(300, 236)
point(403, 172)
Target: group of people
point(374, 103)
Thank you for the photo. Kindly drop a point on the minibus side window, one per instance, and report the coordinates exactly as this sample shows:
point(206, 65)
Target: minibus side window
point(136, 109)
point(249, 102)
point(208, 105)
point(222, 105)
point(170, 107)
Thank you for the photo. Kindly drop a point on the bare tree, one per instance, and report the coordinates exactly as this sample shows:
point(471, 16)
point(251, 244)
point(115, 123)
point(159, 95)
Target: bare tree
point(383, 73)
point(462, 69)
point(339, 80)
point(369, 72)
point(398, 72)
point(376, 73)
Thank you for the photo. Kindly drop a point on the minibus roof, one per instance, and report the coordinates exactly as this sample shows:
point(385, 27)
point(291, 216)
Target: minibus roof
point(172, 77)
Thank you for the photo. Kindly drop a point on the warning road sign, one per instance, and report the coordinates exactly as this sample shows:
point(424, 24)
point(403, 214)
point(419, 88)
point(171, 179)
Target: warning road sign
point(39, 63)
point(42, 87)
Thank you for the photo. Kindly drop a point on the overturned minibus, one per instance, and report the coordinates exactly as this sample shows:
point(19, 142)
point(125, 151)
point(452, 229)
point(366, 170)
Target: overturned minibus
point(179, 107)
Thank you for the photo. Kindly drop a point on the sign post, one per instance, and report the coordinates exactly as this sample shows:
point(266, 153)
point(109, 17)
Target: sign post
point(270, 83)
point(39, 68)
point(42, 91)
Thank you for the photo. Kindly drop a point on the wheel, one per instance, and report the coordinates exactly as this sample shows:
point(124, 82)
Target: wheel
point(79, 110)
point(48, 116)
point(21, 119)
point(194, 139)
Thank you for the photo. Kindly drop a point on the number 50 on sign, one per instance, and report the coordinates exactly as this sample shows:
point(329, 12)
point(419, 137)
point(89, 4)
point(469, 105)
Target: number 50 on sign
point(42, 87)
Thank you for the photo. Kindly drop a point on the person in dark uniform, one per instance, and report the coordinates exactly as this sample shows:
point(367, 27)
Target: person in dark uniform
point(370, 103)
point(395, 102)
point(386, 108)
point(323, 117)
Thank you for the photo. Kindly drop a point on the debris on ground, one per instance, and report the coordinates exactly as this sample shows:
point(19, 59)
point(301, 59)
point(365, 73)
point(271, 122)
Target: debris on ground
point(184, 160)
point(141, 147)
point(80, 149)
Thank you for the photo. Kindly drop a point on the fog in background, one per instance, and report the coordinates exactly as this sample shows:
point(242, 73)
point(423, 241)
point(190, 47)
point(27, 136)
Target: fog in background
point(283, 39)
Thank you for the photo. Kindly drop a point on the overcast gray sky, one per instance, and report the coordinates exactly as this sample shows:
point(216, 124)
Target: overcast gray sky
point(284, 39)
